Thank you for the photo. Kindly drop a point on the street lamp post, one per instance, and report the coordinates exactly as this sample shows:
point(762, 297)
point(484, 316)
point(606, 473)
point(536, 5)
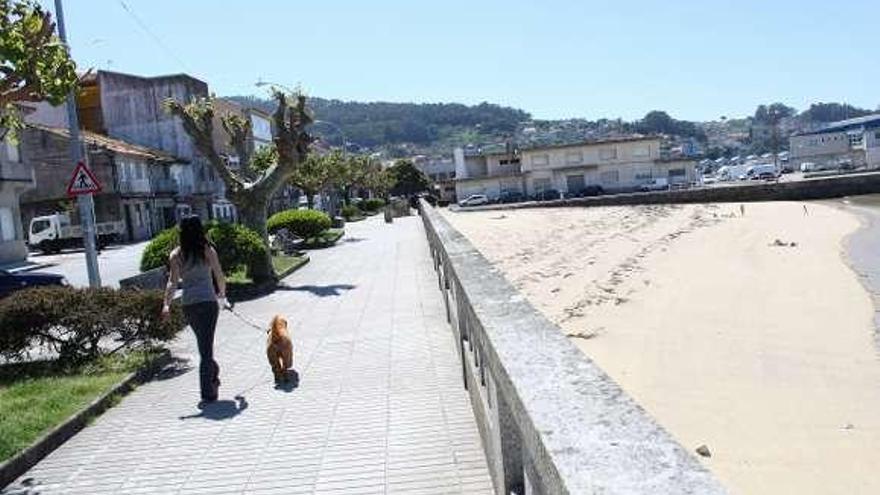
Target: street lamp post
point(85, 201)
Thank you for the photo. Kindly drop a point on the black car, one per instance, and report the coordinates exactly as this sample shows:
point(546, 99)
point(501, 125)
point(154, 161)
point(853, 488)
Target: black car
point(11, 282)
point(547, 195)
point(512, 197)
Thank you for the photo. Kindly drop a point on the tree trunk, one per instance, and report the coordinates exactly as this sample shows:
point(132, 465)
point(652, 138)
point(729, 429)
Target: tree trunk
point(253, 212)
point(310, 200)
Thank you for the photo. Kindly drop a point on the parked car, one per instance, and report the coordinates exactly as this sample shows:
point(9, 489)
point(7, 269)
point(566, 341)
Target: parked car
point(512, 197)
point(659, 184)
point(808, 167)
point(15, 281)
point(474, 200)
point(766, 175)
point(547, 195)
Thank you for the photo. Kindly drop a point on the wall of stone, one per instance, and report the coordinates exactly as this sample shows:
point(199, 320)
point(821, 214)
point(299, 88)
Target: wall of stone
point(552, 422)
point(818, 188)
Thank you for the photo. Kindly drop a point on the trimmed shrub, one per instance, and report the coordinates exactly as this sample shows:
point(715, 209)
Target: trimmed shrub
point(303, 223)
point(82, 324)
point(371, 205)
point(236, 246)
point(350, 211)
point(157, 251)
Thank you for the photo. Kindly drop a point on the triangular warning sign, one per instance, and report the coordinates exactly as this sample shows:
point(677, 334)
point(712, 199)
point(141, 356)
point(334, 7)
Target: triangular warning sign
point(83, 181)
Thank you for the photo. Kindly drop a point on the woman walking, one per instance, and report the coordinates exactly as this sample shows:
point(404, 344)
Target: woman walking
point(196, 267)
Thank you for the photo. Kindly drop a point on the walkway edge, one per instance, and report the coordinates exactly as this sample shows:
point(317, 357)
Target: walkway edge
point(552, 421)
point(21, 463)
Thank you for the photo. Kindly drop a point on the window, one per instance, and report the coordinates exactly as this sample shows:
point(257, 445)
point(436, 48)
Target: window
point(876, 134)
point(856, 140)
point(641, 152)
point(7, 224)
point(609, 177)
point(608, 153)
point(138, 170)
point(677, 172)
point(644, 175)
point(574, 157)
point(39, 226)
point(541, 185)
point(540, 160)
point(13, 153)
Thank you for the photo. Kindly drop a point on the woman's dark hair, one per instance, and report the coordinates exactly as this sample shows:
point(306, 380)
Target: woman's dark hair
point(192, 239)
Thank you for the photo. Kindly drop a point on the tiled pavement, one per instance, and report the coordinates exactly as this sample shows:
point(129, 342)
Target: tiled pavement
point(379, 407)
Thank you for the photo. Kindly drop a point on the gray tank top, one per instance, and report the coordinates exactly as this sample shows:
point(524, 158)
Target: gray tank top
point(196, 282)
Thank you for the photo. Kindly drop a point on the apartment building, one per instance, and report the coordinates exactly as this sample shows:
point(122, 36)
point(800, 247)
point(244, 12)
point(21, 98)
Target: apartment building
point(441, 172)
point(615, 164)
point(16, 177)
point(852, 142)
point(131, 109)
point(138, 186)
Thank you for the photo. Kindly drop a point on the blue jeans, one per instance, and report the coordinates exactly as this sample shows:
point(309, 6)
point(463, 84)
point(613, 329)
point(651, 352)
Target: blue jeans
point(202, 317)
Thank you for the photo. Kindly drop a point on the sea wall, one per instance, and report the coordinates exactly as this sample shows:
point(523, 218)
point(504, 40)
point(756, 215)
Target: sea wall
point(552, 422)
point(817, 188)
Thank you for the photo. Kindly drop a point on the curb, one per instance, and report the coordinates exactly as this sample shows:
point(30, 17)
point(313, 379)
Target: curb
point(43, 446)
point(247, 292)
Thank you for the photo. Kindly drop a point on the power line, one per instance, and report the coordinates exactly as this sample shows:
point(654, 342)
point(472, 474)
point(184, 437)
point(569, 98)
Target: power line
point(150, 33)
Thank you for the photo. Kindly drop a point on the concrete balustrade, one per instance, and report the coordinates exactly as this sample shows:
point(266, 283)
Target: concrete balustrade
point(551, 421)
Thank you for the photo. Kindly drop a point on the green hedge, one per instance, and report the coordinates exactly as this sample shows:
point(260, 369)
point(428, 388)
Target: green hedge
point(303, 223)
point(373, 204)
point(82, 324)
point(236, 246)
point(350, 211)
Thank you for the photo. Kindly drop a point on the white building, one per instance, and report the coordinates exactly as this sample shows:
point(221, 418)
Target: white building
point(614, 164)
point(16, 177)
point(852, 142)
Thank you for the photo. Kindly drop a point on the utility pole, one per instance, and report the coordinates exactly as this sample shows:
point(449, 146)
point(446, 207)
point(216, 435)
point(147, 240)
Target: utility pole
point(85, 201)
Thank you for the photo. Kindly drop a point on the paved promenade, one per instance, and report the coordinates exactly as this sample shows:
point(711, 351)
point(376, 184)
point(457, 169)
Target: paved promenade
point(379, 407)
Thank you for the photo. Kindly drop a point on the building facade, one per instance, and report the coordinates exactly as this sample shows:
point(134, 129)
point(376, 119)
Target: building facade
point(615, 165)
point(137, 184)
point(853, 143)
point(16, 177)
point(131, 109)
point(441, 173)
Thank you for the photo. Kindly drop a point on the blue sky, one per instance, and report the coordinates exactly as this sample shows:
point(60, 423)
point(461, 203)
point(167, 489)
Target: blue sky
point(553, 58)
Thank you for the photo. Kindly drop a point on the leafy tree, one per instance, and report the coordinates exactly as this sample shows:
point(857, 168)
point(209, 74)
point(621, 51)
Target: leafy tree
point(250, 189)
point(34, 64)
point(773, 113)
point(832, 112)
point(407, 179)
point(317, 173)
point(659, 122)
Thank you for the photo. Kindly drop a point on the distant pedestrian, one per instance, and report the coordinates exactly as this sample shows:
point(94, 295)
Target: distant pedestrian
point(742, 210)
point(805, 211)
point(196, 267)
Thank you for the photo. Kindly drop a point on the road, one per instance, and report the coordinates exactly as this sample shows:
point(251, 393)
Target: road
point(114, 262)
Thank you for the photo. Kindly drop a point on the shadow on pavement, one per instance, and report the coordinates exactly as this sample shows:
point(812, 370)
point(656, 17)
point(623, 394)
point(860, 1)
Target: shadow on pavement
point(290, 383)
point(220, 410)
point(320, 290)
point(353, 239)
point(178, 366)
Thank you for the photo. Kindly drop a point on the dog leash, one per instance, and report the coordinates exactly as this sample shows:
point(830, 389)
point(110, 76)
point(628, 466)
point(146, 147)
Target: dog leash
point(244, 319)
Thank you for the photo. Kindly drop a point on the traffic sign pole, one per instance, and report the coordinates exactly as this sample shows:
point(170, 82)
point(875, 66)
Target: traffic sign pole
point(85, 201)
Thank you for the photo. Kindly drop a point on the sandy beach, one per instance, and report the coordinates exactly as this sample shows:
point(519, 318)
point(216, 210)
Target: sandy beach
point(748, 333)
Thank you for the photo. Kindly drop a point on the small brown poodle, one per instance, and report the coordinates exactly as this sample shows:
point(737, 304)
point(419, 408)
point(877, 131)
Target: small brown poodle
point(279, 348)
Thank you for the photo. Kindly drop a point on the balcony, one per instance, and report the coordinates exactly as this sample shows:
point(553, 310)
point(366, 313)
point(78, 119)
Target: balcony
point(134, 186)
point(208, 187)
point(165, 186)
point(16, 172)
